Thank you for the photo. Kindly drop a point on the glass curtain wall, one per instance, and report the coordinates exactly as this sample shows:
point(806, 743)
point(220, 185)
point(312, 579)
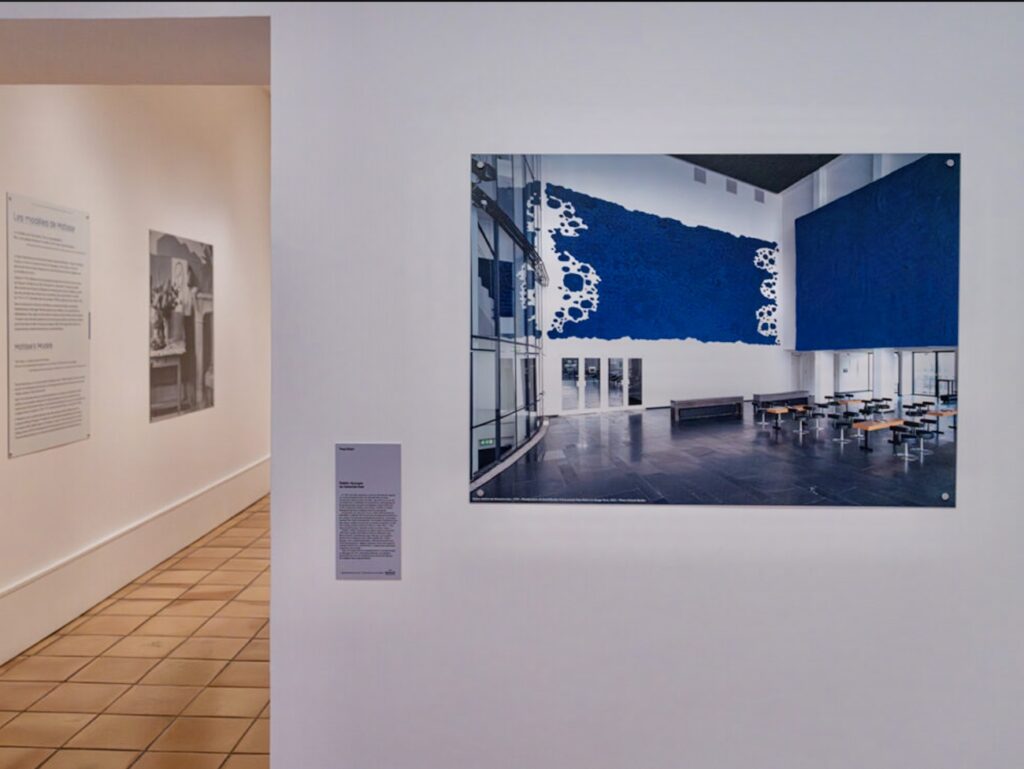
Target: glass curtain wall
point(505, 337)
point(934, 375)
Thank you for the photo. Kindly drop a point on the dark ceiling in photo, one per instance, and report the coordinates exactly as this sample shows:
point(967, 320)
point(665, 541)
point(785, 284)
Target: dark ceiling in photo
point(773, 173)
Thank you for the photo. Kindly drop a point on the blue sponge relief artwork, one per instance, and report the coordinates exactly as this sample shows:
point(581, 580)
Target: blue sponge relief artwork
point(576, 290)
point(631, 274)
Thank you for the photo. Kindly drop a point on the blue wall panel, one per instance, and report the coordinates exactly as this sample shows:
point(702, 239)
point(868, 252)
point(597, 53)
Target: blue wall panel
point(657, 278)
point(880, 267)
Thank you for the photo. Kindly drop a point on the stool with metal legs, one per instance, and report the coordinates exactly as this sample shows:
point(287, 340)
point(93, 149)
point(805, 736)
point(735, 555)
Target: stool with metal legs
point(901, 437)
point(801, 419)
point(931, 422)
point(820, 413)
point(917, 430)
point(842, 424)
point(761, 407)
point(850, 416)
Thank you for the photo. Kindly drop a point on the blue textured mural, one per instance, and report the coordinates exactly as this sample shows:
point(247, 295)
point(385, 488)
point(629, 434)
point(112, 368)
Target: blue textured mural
point(625, 273)
point(880, 267)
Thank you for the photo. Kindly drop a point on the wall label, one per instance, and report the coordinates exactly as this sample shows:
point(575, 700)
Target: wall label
point(368, 510)
point(48, 325)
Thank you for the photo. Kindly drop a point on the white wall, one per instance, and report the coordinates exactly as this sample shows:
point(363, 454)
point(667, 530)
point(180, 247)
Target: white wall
point(79, 521)
point(603, 637)
point(677, 368)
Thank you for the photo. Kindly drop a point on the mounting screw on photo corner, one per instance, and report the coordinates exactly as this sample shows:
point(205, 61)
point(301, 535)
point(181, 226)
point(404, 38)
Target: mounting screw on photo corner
point(479, 492)
point(945, 496)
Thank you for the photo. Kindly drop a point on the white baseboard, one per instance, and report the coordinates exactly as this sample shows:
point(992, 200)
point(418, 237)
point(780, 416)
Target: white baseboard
point(37, 605)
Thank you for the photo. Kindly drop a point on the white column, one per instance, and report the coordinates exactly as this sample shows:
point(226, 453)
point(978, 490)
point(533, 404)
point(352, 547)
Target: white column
point(824, 375)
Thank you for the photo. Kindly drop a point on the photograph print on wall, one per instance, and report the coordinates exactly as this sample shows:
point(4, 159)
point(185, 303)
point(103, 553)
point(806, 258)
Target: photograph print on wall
point(714, 329)
point(180, 325)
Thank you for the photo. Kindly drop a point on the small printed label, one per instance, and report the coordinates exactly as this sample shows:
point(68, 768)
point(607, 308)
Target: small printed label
point(368, 510)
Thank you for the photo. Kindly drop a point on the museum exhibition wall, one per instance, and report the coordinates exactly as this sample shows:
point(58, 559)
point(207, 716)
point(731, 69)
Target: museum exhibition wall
point(617, 635)
point(82, 518)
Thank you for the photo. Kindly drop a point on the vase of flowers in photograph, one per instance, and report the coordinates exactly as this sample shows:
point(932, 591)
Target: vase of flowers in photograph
point(163, 301)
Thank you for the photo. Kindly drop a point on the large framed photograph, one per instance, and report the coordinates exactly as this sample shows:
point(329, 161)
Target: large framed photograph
point(714, 329)
point(180, 325)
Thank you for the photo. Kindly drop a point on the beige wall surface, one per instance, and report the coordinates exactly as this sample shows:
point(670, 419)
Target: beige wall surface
point(192, 161)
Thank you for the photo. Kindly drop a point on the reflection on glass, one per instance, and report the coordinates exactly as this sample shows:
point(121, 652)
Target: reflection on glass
point(506, 189)
point(523, 425)
point(615, 381)
point(924, 374)
point(636, 437)
point(946, 380)
point(506, 293)
point(508, 434)
point(636, 381)
point(592, 383)
point(484, 446)
point(570, 383)
point(507, 383)
point(483, 276)
point(529, 369)
point(484, 391)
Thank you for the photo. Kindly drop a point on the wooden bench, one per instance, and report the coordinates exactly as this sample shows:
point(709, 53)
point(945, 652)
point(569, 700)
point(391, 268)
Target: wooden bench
point(705, 408)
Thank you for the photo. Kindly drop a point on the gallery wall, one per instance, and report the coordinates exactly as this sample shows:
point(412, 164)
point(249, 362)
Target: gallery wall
point(81, 520)
point(681, 225)
point(603, 637)
point(571, 637)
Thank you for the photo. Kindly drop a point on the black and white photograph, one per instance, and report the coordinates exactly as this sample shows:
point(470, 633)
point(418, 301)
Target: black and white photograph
point(180, 325)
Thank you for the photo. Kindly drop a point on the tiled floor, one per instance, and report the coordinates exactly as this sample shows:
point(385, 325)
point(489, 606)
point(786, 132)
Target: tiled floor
point(641, 456)
point(170, 672)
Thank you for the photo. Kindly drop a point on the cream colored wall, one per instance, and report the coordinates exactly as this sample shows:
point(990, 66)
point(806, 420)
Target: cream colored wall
point(80, 520)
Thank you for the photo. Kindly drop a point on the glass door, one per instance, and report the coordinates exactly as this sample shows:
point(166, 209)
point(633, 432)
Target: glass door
point(614, 382)
point(592, 383)
point(570, 384)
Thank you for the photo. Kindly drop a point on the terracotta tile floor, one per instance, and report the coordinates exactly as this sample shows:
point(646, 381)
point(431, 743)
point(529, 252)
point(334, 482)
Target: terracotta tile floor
point(170, 672)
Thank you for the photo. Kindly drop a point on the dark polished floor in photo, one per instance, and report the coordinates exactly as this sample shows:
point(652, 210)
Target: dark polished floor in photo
point(643, 457)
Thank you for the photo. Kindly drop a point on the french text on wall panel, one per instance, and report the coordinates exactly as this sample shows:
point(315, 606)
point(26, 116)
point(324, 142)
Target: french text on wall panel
point(47, 325)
